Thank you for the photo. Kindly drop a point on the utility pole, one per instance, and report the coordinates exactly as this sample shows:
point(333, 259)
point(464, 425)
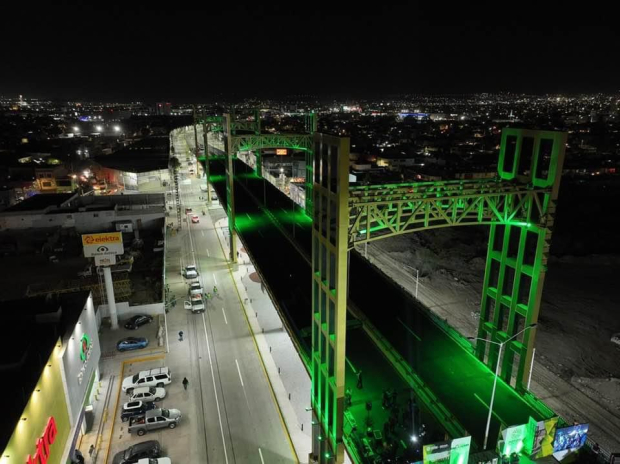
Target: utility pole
point(195, 132)
point(206, 142)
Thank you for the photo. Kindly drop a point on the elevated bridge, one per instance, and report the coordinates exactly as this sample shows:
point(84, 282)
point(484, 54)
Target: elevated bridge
point(518, 206)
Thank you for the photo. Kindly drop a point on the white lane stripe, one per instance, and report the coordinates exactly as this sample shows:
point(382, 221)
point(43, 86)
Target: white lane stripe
point(239, 370)
point(202, 232)
point(261, 456)
point(217, 401)
point(224, 313)
point(214, 279)
point(208, 253)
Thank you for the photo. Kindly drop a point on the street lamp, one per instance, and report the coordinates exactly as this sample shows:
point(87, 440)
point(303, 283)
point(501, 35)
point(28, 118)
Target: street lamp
point(499, 357)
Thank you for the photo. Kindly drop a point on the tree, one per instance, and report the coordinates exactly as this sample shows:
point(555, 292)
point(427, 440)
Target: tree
point(174, 163)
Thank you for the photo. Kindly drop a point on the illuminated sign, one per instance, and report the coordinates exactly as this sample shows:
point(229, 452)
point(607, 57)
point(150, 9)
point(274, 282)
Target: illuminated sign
point(86, 348)
point(43, 444)
point(102, 239)
point(281, 151)
point(107, 244)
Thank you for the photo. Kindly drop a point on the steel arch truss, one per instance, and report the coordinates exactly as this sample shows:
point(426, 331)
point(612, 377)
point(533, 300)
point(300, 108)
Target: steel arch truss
point(249, 142)
point(378, 212)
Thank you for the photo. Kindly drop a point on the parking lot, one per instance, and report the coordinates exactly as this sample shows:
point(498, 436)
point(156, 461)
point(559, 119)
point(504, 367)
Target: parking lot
point(174, 442)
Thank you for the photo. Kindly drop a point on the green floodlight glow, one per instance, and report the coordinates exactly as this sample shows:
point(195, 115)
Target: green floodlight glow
point(215, 178)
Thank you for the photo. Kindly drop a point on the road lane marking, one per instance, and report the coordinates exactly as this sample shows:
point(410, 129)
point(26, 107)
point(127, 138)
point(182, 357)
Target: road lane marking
point(208, 252)
point(408, 329)
point(224, 313)
point(202, 232)
point(260, 357)
point(239, 370)
point(487, 406)
point(214, 279)
point(261, 456)
point(217, 401)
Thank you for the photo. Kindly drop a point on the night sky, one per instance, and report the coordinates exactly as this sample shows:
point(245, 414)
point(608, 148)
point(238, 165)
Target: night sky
point(114, 52)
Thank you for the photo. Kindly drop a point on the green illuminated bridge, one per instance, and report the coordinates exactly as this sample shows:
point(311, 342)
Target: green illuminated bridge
point(452, 379)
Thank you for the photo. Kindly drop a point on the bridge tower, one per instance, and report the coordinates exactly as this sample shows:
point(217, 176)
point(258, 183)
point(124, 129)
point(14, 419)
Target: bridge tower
point(519, 206)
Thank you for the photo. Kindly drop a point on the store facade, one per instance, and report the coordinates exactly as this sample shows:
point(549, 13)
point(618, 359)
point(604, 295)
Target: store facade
point(42, 431)
point(54, 414)
point(80, 367)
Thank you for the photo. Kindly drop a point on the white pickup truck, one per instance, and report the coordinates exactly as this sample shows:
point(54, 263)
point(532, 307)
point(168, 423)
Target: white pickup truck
point(196, 304)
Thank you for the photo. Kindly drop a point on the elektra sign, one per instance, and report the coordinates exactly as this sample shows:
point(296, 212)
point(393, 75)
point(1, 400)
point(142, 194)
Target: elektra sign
point(86, 348)
point(43, 444)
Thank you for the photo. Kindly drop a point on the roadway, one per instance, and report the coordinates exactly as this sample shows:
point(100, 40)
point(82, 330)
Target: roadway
point(238, 420)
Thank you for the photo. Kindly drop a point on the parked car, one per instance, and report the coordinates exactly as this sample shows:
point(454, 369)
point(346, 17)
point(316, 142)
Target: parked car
point(190, 272)
point(137, 321)
point(155, 461)
point(135, 408)
point(148, 394)
point(132, 343)
point(153, 420)
point(157, 377)
point(195, 219)
point(145, 449)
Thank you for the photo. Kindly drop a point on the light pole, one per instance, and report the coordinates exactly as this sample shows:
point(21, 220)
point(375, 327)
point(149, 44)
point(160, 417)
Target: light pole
point(499, 357)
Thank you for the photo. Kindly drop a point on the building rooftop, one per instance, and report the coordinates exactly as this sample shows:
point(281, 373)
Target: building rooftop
point(40, 202)
point(150, 154)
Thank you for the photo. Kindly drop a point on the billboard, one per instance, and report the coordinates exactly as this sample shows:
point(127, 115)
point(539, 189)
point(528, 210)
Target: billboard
point(452, 452)
point(437, 452)
point(513, 439)
point(281, 151)
point(540, 436)
point(106, 244)
point(568, 439)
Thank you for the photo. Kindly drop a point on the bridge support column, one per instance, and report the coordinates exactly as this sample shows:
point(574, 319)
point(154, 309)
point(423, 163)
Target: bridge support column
point(329, 295)
point(205, 136)
point(230, 189)
point(518, 252)
point(259, 162)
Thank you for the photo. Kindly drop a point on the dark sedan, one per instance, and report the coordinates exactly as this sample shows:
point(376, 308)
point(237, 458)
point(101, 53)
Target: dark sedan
point(138, 321)
point(146, 449)
point(132, 343)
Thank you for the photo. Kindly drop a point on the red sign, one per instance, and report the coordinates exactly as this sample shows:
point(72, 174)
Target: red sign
point(281, 151)
point(43, 444)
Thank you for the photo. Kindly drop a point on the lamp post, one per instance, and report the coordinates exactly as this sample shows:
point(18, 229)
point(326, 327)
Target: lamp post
point(499, 357)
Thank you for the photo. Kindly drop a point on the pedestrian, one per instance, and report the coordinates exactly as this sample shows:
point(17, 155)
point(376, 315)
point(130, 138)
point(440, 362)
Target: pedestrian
point(360, 383)
point(91, 450)
point(185, 382)
point(180, 335)
point(348, 398)
point(208, 296)
point(214, 290)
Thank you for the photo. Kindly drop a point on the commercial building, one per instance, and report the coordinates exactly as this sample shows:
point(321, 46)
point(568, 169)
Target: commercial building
point(85, 213)
point(52, 362)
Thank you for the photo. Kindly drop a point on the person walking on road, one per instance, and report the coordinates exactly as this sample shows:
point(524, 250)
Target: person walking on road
point(360, 383)
point(215, 290)
point(185, 382)
point(180, 335)
point(91, 450)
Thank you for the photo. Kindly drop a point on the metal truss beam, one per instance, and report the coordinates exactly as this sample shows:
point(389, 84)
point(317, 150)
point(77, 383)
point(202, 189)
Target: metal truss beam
point(382, 211)
point(253, 142)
